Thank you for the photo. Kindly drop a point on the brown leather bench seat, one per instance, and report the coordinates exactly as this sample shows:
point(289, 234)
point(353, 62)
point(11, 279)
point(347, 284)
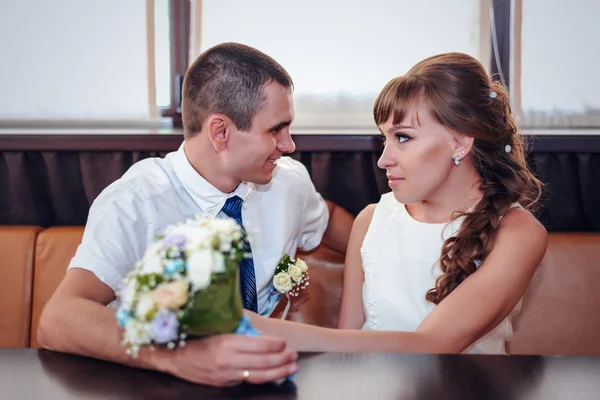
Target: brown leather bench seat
point(17, 248)
point(560, 315)
point(561, 308)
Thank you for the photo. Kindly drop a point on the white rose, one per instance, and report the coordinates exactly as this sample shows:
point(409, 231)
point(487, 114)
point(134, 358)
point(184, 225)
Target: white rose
point(302, 265)
point(145, 305)
point(152, 264)
point(227, 230)
point(218, 262)
point(199, 268)
point(282, 282)
point(195, 237)
point(154, 248)
point(225, 226)
point(224, 244)
point(295, 272)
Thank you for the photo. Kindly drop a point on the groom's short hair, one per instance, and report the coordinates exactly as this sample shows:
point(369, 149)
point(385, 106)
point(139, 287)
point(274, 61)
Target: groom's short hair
point(228, 79)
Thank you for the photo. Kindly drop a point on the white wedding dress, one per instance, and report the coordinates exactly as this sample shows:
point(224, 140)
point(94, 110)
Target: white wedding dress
point(399, 256)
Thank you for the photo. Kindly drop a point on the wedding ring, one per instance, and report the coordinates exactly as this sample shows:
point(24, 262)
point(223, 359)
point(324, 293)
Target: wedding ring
point(246, 374)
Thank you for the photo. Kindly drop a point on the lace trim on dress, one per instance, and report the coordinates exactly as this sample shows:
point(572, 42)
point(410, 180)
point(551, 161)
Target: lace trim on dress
point(367, 250)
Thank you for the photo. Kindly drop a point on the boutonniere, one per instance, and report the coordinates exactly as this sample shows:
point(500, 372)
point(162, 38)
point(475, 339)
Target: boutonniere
point(291, 276)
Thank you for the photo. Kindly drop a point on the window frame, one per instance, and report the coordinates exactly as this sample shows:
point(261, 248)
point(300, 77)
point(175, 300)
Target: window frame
point(179, 32)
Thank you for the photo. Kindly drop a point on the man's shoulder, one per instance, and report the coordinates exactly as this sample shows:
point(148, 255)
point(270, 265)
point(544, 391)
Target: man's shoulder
point(147, 177)
point(290, 171)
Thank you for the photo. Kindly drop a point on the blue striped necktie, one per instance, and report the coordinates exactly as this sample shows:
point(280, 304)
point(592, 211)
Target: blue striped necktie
point(233, 208)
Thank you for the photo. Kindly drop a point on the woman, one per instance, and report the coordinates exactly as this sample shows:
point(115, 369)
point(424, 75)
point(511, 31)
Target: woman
point(440, 264)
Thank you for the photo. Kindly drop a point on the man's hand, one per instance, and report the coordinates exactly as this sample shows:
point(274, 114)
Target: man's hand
point(222, 360)
point(76, 320)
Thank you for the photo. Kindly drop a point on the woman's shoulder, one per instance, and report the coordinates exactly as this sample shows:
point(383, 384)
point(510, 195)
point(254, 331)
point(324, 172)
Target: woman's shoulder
point(364, 218)
point(519, 228)
point(517, 217)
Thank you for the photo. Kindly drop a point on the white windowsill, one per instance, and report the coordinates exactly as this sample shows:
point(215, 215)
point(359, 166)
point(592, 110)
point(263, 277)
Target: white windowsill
point(367, 131)
point(164, 126)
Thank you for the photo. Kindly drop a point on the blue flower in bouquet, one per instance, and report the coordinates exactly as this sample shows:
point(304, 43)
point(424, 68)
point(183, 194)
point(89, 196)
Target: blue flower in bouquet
point(174, 266)
point(122, 317)
point(164, 327)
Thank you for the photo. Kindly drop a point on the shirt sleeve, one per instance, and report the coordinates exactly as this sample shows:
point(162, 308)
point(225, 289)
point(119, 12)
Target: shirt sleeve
point(115, 235)
point(315, 215)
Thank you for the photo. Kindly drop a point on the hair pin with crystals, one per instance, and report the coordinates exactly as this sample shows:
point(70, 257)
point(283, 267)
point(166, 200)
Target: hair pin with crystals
point(493, 95)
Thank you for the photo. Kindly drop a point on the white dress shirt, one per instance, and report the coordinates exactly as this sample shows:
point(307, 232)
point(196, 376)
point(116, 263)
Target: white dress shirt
point(280, 217)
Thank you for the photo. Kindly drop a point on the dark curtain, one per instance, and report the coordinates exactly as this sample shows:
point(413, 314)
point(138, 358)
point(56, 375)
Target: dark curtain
point(57, 187)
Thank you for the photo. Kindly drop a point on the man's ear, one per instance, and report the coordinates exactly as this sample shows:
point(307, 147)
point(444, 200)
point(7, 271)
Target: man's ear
point(218, 128)
point(462, 145)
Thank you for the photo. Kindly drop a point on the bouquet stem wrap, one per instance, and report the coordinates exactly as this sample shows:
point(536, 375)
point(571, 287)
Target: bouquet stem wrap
point(218, 308)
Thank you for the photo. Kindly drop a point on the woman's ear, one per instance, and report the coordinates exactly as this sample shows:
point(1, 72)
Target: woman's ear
point(462, 145)
point(217, 128)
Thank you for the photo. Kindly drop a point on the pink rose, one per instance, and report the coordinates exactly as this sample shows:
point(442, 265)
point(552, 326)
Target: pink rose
point(171, 295)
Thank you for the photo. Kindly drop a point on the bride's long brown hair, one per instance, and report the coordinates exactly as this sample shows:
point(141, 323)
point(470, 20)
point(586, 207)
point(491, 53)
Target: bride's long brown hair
point(463, 98)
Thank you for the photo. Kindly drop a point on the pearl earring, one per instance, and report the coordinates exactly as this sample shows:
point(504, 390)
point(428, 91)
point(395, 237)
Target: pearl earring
point(457, 158)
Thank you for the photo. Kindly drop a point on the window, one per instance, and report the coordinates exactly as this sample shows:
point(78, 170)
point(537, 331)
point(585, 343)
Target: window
point(75, 60)
point(83, 61)
point(341, 53)
point(559, 59)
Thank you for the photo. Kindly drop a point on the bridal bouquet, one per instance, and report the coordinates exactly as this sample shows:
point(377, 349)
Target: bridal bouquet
point(186, 285)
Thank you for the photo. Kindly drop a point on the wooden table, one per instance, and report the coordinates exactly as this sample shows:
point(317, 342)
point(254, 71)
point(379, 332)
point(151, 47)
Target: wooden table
point(40, 374)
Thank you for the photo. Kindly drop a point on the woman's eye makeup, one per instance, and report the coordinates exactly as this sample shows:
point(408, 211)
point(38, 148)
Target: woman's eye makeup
point(402, 137)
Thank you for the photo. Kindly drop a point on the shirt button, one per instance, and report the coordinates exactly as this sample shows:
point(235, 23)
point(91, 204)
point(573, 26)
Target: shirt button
point(211, 211)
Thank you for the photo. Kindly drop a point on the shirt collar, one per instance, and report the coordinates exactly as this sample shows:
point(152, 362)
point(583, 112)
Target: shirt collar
point(210, 199)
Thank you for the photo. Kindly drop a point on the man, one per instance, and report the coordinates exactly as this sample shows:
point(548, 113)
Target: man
point(237, 111)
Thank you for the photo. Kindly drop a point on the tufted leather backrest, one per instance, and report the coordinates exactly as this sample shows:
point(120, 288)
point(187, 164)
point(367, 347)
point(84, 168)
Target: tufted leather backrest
point(17, 247)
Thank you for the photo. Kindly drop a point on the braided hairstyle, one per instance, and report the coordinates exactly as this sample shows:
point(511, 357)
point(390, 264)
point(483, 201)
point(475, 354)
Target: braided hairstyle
point(462, 97)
